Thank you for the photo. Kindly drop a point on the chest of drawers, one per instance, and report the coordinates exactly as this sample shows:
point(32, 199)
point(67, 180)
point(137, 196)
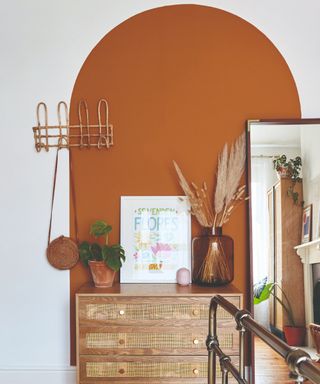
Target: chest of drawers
point(144, 333)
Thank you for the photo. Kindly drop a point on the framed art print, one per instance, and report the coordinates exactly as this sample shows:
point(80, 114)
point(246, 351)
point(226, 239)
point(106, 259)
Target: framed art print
point(156, 236)
point(306, 224)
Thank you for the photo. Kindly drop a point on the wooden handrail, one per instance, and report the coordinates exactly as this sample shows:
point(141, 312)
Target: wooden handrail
point(298, 361)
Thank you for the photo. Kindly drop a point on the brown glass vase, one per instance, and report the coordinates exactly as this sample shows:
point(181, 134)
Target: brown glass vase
point(212, 258)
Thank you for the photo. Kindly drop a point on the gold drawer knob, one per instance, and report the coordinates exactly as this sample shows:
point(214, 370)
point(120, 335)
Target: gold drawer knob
point(195, 341)
point(121, 312)
point(121, 371)
point(196, 371)
point(121, 341)
point(195, 312)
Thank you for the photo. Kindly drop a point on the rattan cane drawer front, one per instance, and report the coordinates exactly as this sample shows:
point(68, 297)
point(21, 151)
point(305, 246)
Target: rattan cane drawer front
point(153, 340)
point(145, 370)
point(155, 368)
point(117, 311)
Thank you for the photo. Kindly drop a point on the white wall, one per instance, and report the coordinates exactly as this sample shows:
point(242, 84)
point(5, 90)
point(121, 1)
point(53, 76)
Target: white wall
point(43, 45)
point(310, 137)
point(310, 154)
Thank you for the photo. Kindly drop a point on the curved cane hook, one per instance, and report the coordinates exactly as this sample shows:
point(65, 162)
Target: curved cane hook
point(45, 111)
point(85, 107)
point(66, 117)
point(103, 138)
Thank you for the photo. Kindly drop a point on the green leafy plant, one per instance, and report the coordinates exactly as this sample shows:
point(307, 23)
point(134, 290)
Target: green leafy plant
point(293, 166)
point(292, 169)
point(112, 255)
point(262, 292)
point(280, 162)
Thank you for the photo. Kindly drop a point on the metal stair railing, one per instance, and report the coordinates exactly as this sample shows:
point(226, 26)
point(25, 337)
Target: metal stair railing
point(299, 362)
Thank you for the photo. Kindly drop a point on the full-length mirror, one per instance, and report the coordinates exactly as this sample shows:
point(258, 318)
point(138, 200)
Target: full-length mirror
point(285, 237)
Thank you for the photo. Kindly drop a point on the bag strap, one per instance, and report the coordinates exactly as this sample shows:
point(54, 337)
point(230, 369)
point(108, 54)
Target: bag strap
point(73, 194)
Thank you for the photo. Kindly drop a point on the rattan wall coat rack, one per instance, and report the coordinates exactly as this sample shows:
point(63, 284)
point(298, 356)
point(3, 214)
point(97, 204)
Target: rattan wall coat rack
point(82, 135)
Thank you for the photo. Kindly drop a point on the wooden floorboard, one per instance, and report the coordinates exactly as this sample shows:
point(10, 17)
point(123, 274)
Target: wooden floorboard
point(270, 368)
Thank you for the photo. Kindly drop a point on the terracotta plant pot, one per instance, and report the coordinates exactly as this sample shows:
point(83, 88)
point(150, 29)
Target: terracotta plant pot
point(283, 172)
point(315, 333)
point(294, 335)
point(102, 275)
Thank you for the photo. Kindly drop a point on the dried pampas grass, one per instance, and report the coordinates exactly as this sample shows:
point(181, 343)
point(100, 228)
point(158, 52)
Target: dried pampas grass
point(228, 193)
point(221, 186)
point(215, 267)
point(199, 203)
point(236, 164)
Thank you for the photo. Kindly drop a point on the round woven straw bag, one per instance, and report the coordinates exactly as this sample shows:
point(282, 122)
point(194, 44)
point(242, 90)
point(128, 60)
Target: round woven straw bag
point(62, 252)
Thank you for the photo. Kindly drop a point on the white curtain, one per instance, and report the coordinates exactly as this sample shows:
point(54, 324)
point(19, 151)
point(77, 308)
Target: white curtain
point(262, 176)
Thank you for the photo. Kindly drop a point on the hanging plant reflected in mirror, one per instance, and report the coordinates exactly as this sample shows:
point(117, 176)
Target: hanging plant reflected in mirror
point(289, 169)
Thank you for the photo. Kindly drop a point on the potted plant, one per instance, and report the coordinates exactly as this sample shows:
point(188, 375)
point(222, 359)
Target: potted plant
point(281, 165)
point(262, 291)
point(103, 260)
point(290, 169)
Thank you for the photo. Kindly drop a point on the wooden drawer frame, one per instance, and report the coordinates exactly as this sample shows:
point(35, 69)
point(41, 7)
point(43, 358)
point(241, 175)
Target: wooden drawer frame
point(110, 325)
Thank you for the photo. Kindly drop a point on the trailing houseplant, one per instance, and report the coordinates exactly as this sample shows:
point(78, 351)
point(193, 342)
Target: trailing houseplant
point(103, 260)
point(262, 291)
point(290, 169)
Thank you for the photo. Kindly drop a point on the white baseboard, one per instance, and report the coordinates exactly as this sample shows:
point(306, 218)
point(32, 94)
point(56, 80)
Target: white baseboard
point(37, 375)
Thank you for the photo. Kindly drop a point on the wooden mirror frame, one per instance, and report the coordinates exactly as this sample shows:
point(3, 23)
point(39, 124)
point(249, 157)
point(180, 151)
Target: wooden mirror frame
point(249, 123)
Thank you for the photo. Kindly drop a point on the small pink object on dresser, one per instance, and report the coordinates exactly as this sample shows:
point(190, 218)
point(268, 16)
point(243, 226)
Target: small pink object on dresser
point(183, 276)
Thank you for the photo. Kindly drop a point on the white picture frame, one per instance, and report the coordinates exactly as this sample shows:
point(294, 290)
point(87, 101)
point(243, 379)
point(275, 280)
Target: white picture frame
point(156, 236)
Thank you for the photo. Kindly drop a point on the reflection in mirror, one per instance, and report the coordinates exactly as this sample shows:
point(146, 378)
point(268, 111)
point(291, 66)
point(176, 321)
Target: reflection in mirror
point(285, 259)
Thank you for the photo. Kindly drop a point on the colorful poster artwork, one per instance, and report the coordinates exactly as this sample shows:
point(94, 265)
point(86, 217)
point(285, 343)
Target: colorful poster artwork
point(306, 223)
point(155, 233)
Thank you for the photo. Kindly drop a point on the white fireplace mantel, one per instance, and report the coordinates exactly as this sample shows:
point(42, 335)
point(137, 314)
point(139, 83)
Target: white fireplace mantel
point(309, 254)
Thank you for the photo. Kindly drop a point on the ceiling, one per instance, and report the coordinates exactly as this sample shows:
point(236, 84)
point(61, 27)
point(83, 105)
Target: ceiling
point(275, 135)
